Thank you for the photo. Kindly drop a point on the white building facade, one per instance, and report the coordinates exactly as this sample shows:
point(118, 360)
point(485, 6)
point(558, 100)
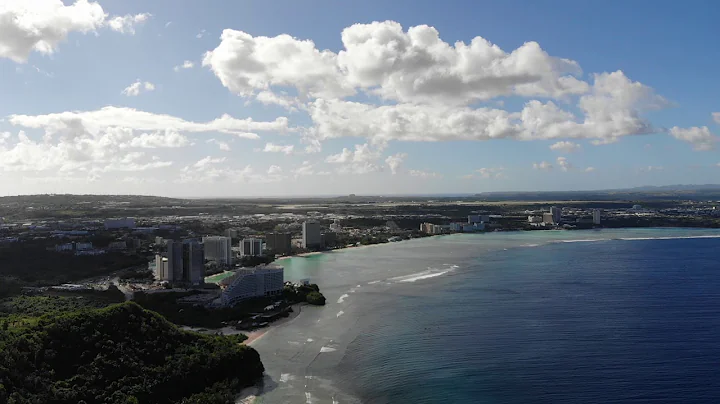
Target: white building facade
point(268, 280)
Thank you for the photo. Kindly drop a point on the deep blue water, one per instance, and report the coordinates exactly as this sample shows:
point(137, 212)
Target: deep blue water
point(598, 322)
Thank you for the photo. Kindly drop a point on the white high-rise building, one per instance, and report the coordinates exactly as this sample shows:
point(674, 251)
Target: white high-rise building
point(596, 216)
point(311, 235)
point(218, 249)
point(251, 247)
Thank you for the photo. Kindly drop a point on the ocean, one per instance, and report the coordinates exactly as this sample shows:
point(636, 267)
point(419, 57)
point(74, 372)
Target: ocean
point(611, 316)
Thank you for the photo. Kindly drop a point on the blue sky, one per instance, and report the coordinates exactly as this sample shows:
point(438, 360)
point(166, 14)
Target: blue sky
point(555, 95)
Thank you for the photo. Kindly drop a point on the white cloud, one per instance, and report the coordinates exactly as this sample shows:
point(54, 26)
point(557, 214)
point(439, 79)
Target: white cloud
point(167, 24)
point(491, 172)
point(543, 165)
point(589, 169)
point(716, 117)
point(611, 111)
point(270, 98)
point(126, 24)
point(72, 123)
point(200, 34)
point(304, 169)
point(137, 87)
point(246, 64)
point(651, 168)
point(362, 160)
point(186, 65)
point(208, 161)
point(274, 170)
point(395, 161)
point(114, 149)
point(276, 148)
point(565, 146)
point(417, 66)
point(700, 138)
point(40, 25)
point(224, 146)
point(564, 164)
point(424, 174)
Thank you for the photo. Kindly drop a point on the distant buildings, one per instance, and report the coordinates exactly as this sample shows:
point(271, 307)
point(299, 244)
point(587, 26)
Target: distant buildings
point(431, 228)
point(548, 218)
point(250, 247)
point(117, 245)
point(126, 223)
point(218, 249)
point(83, 246)
point(311, 235)
point(535, 219)
point(247, 283)
point(335, 226)
point(467, 227)
point(556, 214)
point(596, 216)
point(279, 243)
point(478, 218)
point(181, 263)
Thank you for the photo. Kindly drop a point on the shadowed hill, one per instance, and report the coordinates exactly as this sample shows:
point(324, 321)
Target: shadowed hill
point(120, 354)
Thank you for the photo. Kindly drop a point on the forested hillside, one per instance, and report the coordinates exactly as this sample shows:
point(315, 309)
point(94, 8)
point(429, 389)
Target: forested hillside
point(119, 354)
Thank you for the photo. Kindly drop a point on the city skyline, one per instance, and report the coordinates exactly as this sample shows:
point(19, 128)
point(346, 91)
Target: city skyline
point(255, 99)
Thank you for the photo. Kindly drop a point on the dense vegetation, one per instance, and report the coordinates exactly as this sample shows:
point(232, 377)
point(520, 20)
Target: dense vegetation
point(197, 315)
point(306, 293)
point(120, 354)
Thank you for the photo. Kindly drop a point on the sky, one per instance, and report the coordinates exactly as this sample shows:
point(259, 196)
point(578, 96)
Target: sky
point(298, 98)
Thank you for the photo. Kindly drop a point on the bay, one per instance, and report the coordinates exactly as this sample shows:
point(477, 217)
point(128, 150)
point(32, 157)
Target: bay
point(518, 317)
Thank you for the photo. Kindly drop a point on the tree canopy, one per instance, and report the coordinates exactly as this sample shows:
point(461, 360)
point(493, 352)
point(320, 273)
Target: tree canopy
point(120, 354)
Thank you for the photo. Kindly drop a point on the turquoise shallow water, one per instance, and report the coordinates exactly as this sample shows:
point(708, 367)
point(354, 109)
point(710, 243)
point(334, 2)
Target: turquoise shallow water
point(546, 317)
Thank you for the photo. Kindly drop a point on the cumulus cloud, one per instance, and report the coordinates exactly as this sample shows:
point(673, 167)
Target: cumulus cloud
point(564, 164)
point(395, 161)
point(543, 165)
point(137, 87)
point(303, 170)
point(274, 170)
point(417, 66)
point(224, 146)
point(424, 174)
point(716, 117)
point(611, 110)
point(75, 122)
point(565, 146)
point(362, 160)
point(700, 138)
point(246, 64)
point(270, 98)
point(115, 149)
point(40, 25)
point(185, 65)
point(126, 24)
point(491, 172)
point(276, 148)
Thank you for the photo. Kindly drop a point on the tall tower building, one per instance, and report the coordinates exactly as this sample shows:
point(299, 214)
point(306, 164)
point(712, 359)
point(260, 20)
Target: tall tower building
point(250, 247)
point(556, 213)
point(596, 216)
point(279, 243)
point(218, 249)
point(311, 235)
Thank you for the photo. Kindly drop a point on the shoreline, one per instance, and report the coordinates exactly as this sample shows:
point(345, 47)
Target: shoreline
point(313, 253)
